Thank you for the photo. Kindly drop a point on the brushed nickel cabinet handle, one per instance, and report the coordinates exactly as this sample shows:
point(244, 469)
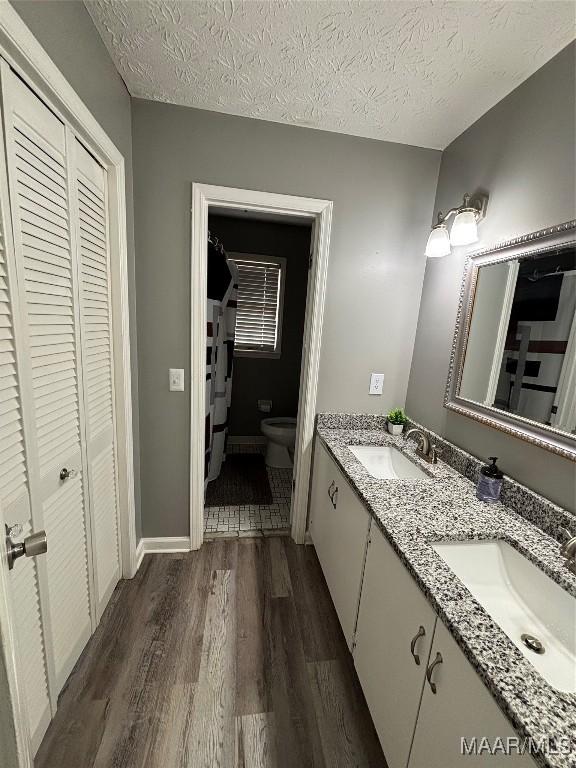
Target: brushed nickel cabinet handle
point(431, 668)
point(335, 497)
point(421, 633)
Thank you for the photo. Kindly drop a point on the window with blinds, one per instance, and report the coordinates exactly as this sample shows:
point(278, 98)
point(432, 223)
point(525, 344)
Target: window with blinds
point(259, 306)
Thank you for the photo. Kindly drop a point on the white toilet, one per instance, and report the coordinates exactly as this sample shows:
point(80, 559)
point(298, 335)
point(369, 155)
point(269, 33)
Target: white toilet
point(281, 434)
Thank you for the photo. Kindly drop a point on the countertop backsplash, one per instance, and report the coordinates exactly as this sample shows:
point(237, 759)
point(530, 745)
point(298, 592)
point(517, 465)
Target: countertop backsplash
point(533, 507)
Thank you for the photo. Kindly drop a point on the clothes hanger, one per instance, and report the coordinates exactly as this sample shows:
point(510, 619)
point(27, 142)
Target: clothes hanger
point(215, 242)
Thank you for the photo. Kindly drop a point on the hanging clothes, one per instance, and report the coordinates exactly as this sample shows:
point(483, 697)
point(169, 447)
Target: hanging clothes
point(221, 321)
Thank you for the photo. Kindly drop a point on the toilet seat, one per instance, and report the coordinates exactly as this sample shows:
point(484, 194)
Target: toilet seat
point(279, 427)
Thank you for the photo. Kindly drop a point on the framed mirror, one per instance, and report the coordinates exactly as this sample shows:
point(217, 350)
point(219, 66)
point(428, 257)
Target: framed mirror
point(513, 362)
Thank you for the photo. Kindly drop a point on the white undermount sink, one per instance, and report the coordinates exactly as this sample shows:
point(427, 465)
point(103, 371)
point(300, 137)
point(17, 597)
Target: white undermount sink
point(386, 463)
point(535, 612)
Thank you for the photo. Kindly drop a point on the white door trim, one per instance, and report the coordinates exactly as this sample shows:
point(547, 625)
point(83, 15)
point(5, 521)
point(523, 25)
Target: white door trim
point(23, 52)
point(320, 214)
point(565, 416)
point(508, 300)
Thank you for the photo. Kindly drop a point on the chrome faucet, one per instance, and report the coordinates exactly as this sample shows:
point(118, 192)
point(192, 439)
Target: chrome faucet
point(568, 550)
point(425, 450)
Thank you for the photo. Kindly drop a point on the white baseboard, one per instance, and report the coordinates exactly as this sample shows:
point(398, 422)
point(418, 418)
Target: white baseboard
point(161, 544)
point(247, 440)
point(140, 550)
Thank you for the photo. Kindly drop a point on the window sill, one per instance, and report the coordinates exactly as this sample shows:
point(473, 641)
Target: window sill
point(256, 354)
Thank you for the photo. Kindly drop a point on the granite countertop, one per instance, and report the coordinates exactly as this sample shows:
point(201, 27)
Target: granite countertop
point(412, 513)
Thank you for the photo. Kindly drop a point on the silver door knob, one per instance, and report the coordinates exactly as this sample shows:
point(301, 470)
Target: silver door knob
point(32, 546)
point(65, 473)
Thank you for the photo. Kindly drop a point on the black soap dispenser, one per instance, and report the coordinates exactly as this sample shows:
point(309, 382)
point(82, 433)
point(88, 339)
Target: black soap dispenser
point(490, 482)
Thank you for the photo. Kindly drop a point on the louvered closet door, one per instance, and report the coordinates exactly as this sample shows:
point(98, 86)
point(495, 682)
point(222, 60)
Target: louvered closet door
point(44, 247)
point(96, 329)
point(15, 497)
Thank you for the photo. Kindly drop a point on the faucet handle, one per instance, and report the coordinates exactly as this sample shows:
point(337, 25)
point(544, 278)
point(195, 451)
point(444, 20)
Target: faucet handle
point(567, 535)
point(568, 549)
point(435, 452)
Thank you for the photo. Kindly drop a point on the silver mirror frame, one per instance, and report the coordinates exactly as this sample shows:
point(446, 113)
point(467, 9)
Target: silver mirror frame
point(541, 435)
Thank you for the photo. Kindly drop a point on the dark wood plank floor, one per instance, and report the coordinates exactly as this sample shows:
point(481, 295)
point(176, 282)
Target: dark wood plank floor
point(230, 657)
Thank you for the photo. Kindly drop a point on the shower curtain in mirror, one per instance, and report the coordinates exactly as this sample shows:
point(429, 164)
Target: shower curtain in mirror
point(221, 320)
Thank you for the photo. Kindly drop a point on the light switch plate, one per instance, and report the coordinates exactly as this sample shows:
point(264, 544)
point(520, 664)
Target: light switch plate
point(176, 379)
point(376, 384)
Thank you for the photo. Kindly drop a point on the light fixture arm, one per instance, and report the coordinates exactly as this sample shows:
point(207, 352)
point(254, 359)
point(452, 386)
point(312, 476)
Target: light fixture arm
point(477, 202)
point(443, 218)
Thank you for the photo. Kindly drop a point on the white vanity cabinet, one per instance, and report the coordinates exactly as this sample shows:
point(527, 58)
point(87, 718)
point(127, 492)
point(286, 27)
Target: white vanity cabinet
point(393, 641)
point(462, 707)
point(395, 637)
point(339, 526)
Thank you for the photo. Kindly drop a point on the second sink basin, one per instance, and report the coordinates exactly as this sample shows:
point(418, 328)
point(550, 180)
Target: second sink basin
point(535, 612)
point(386, 463)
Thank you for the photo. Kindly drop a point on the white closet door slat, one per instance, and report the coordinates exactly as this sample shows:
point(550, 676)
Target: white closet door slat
point(38, 171)
point(105, 524)
point(56, 391)
point(68, 576)
point(97, 368)
point(15, 501)
point(31, 646)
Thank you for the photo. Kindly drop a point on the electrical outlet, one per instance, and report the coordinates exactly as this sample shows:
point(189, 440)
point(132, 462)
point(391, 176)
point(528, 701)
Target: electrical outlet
point(176, 379)
point(376, 384)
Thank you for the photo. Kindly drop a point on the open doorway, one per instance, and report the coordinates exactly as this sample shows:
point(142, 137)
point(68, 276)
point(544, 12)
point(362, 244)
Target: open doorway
point(252, 431)
point(257, 285)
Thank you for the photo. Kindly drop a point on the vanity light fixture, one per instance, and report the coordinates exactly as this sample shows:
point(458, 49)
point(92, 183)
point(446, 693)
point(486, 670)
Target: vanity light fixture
point(464, 228)
point(438, 240)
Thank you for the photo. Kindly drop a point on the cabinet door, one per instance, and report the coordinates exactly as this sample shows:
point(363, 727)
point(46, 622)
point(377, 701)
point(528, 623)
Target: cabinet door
point(339, 529)
point(319, 496)
point(461, 708)
point(393, 640)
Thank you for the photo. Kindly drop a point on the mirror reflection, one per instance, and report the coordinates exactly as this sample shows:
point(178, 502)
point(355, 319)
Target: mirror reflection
point(521, 348)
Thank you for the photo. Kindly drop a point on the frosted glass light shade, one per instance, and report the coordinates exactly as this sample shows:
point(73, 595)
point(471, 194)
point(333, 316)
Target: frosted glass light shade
point(438, 242)
point(464, 229)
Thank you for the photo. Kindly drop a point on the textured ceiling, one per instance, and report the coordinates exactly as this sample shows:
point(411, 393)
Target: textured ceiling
point(411, 72)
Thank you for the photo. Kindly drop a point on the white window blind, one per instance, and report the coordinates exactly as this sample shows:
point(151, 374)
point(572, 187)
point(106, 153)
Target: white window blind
point(259, 308)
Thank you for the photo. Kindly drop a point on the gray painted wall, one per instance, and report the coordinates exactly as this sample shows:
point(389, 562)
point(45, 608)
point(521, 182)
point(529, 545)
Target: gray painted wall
point(66, 31)
point(383, 195)
point(257, 378)
point(522, 153)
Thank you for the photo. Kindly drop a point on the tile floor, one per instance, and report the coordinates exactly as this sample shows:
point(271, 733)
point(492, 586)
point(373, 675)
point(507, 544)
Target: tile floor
point(221, 521)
